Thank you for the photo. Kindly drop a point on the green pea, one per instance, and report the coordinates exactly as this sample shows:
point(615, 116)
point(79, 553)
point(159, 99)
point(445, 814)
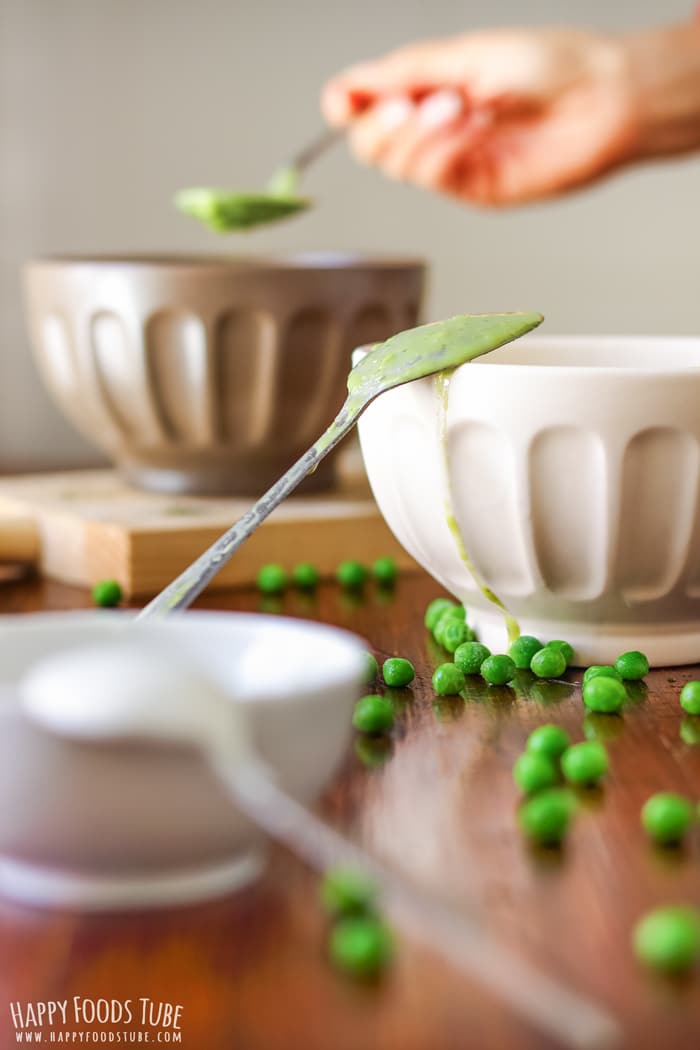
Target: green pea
point(668, 939)
point(601, 671)
point(498, 669)
point(373, 714)
point(371, 668)
point(563, 647)
point(272, 579)
point(351, 575)
point(690, 698)
point(548, 663)
point(451, 633)
point(398, 672)
point(345, 891)
point(448, 680)
point(548, 740)
point(454, 615)
point(585, 764)
point(533, 773)
point(666, 817)
point(632, 666)
point(361, 946)
point(604, 694)
point(385, 571)
point(523, 649)
point(545, 818)
point(469, 656)
point(305, 576)
point(107, 593)
point(435, 610)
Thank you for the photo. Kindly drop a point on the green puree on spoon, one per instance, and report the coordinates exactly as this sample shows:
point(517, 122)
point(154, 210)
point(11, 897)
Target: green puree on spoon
point(226, 210)
point(406, 356)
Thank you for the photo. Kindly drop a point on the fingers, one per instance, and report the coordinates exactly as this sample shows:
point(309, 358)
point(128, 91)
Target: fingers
point(410, 72)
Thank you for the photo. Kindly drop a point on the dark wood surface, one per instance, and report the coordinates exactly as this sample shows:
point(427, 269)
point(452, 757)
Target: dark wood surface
point(437, 799)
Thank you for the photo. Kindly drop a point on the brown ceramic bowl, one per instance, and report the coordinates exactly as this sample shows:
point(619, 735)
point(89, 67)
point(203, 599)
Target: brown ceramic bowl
point(210, 375)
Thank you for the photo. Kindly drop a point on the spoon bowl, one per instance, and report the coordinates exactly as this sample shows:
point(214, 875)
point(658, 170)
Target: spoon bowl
point(224, 210)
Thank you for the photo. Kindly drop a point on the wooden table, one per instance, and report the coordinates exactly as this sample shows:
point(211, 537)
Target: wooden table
point(250, 971)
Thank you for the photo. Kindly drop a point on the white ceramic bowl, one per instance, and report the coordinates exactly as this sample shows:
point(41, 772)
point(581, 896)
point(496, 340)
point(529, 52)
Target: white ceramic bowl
point(132, 824)
point(574, 467)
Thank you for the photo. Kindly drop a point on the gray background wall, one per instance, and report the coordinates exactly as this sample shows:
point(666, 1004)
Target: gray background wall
point(107, 106)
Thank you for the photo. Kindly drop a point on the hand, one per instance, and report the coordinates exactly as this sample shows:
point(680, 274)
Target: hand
point(493, 118)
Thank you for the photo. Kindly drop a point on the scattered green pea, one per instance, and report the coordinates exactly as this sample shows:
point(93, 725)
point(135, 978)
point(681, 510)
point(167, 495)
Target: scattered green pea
point(469, 656)
point(563, 647)
point(690, 698)
point(305, 576)
point(361, 946)
point(435, 610)
point(107, 593)
point(533, 773)
point(545, 818)
point(456, 614)
point(371, 668)
point(398, 672)
point(548, 740)
point(632, 666)
point(272, 579)
point(448, 680)
point(345, 891)
point(450, 633)
point(523, 649)
point(668, 938)
point(585, 764)
point(498, 669)
point(667, 817)
point(352, 575)
point(373, 714)
point(601, 671)
point(548, 663)
point(385, 571)
point(604, 694)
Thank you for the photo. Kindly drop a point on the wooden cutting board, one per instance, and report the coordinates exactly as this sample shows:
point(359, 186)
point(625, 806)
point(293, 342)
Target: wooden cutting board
point(83, 526)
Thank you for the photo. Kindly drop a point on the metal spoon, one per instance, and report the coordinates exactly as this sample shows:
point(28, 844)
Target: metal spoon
point(409, 355)
point(225, 210)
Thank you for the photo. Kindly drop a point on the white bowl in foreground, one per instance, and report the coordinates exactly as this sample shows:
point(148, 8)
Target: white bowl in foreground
point(574, 470)
point(126, 824)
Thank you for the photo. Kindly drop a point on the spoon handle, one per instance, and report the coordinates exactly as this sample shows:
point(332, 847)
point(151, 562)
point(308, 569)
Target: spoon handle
point(549, 1005)
point(323, 142)
point(191, 582)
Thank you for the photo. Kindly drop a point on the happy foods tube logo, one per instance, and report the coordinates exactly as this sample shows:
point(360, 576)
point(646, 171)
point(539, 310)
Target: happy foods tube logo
point(93, 1022)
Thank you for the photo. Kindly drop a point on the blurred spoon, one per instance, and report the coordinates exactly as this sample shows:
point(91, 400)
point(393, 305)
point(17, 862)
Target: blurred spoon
point(225, 210)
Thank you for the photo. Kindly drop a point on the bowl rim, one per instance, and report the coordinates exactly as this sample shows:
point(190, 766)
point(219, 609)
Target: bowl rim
point(178, 262)
point(595, 342)
point(336, 673)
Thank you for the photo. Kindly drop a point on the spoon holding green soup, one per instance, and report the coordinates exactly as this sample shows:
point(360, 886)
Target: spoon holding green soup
point(227, 210)
point(413, 354)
